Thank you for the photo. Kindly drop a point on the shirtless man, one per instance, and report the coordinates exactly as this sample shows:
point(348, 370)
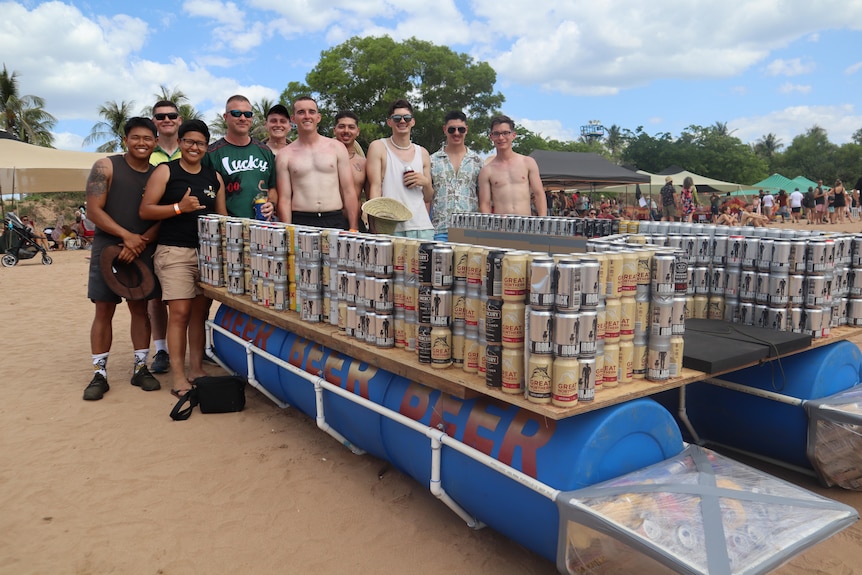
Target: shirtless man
point(510, 182)
point(313, 176)
point(346, 131)
point(277, 128)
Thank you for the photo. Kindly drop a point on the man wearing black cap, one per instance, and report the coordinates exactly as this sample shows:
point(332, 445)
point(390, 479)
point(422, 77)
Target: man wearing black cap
point(114, 190)
point(277, 127)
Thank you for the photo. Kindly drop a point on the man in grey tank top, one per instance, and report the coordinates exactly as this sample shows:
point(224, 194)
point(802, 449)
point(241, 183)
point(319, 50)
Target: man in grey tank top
point(114, 190)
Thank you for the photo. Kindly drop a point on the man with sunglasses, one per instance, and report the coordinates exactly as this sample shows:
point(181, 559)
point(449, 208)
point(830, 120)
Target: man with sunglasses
point(166, 116)
point(454, 175)
point(510, 182)
point(399, 169)
point(315, 186)
point(246, 165)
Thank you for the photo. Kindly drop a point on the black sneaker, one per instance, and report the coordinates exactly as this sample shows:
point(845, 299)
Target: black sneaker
point(145, 380)
point(161, 362)
point(97, 388)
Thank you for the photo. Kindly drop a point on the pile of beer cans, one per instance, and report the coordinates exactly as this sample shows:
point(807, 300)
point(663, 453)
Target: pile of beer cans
point(789, 280)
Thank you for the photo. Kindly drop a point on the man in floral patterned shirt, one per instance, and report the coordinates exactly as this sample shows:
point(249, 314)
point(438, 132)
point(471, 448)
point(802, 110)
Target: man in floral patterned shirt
point(454, 175)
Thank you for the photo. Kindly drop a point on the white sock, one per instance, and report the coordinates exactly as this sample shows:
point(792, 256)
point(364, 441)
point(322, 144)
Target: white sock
point(141, 356)
point(161, 345)
point(100, 361)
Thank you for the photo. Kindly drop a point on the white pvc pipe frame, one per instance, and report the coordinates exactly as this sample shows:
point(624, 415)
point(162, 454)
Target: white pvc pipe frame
point(436, 437)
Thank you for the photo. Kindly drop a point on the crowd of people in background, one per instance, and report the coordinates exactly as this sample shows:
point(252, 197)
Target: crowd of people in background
point(818, 205)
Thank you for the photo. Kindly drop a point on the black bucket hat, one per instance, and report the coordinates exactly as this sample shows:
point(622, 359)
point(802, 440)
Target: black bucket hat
point(133, 281)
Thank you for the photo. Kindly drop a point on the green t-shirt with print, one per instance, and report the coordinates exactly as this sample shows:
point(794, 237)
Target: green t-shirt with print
point(246, 170)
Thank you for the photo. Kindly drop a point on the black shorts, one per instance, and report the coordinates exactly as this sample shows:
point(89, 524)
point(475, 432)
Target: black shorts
point(334, 219)
point(98, 290)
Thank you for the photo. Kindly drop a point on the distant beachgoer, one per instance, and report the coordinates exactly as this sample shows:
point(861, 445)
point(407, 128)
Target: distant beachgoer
point(839, 202)
point(796, 201)
point(668, 200)
point(687, 199)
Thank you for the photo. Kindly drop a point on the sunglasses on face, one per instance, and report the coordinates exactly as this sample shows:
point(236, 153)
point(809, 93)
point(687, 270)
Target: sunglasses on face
point(453, 129)
point(168, 115)
point(238, 113)
point(398, 117)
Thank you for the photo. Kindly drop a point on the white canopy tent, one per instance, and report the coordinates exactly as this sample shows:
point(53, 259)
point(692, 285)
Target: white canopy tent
point(28, 169)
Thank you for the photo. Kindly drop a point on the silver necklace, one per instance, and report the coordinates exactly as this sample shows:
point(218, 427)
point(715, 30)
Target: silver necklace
point(400, 147)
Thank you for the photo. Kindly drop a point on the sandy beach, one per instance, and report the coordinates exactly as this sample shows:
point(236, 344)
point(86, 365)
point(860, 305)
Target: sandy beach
point(115, 486)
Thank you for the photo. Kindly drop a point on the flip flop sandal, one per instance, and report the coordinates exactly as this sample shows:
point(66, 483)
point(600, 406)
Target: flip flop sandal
point(180, 393)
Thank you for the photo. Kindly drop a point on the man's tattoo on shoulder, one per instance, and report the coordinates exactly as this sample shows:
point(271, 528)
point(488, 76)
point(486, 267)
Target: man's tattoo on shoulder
point(97, 182)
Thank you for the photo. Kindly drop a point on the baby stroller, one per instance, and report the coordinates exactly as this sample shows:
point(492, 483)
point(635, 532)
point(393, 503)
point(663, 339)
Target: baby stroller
point(20, 243)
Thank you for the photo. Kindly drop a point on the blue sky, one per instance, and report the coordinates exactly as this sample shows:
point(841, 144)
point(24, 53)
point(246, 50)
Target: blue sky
point(759, 66)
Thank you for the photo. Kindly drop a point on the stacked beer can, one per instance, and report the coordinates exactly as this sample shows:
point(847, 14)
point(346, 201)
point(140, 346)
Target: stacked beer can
point(436, 280)
point(309, 275)
point(474, 310)
point(505, 319)
point(268, 283)
point(210, 253)
point(563, 330)
point(547, 226)
point(669, 287)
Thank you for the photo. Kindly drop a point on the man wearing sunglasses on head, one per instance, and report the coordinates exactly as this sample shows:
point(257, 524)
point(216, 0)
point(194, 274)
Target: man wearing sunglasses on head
point(315, 185)
point(454, 175)
point(246, 165)
point(397, 168)
point(510, 182)
point(166, 116)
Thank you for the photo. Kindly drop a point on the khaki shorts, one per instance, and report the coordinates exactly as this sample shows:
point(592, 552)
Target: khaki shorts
point(178, 272)
point(668, 211)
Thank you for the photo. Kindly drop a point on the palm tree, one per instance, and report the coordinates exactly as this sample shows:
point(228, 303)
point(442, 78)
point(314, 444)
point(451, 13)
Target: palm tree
point(24, 116)
point(768, 145)
point(175, 95)
point(260, 108)
point(111, 128)
point(614, 141)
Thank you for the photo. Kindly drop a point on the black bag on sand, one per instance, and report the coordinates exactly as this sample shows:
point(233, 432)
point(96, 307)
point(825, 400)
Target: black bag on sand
point(213, 394)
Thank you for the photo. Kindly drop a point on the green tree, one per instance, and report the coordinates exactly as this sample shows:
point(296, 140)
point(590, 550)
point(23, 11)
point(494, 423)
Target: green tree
point(811, 155)
point(110, 129)
point(857, 137)
point(366, 74)
point(24, 116)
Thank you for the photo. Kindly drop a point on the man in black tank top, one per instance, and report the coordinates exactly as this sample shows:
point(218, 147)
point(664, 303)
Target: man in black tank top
point(114, 190)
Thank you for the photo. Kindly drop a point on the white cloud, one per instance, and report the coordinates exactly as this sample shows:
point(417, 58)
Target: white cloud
point(794, 67)
point(839, 122)
point(553, 129)
point(68, 141)
point(850, 70)
point(789, 88)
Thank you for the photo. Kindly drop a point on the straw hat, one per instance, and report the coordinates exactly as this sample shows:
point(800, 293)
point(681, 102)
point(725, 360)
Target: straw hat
point(668, 180)
point(385, 214)
point(133, 281)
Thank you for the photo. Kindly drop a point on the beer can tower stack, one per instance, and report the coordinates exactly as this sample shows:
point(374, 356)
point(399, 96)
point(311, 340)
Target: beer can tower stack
point(214, 243)
point(437, 264)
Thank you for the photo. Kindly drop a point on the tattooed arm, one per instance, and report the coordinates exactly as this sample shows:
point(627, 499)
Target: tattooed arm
point(98, 187)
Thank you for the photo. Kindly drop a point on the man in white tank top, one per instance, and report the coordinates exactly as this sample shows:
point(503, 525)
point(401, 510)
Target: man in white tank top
point(397, 168)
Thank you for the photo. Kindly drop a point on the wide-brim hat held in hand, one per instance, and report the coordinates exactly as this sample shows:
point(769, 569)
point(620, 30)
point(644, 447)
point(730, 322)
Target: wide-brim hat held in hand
point(385, 214)
point(133, 281)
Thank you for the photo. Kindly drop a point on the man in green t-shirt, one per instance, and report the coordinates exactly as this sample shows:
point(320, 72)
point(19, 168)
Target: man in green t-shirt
point(246, 164)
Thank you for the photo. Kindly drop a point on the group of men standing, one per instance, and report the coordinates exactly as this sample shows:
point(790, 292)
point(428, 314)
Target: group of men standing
point(314, 180)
